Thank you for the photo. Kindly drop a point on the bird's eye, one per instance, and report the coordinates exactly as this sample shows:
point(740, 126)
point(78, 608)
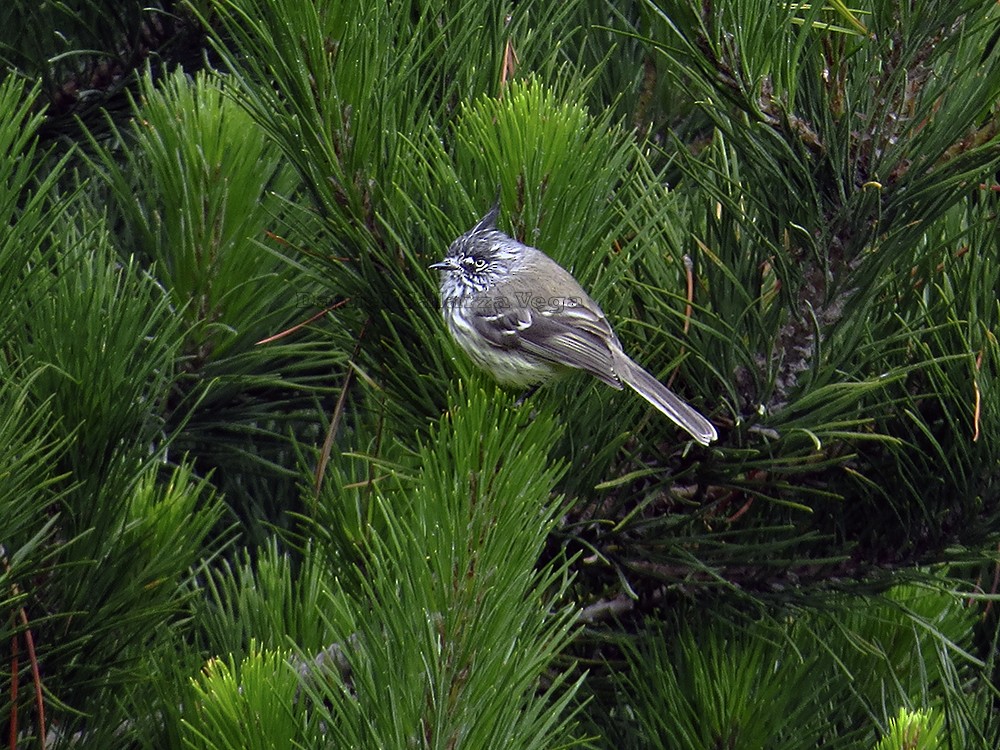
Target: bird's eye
point(472, 263)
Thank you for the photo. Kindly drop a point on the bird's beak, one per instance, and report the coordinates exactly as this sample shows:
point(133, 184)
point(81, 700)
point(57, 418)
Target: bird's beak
point(445, 265)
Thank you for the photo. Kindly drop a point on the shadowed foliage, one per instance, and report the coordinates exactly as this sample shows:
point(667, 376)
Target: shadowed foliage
point(253, 495)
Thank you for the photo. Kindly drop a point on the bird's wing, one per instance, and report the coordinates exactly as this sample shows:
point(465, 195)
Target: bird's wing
point(569, 335)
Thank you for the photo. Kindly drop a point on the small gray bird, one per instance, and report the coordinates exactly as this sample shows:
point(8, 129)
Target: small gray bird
point(522, 317)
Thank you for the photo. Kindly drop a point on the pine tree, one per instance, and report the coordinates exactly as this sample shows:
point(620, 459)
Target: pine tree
point(252, 494)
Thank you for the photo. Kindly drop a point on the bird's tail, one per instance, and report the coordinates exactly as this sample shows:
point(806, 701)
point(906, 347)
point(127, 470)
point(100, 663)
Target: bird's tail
point(662, 398)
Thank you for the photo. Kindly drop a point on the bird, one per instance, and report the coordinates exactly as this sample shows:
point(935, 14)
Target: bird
point(523, 318)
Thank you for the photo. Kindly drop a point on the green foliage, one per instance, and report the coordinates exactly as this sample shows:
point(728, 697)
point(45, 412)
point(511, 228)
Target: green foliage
point(106, 335)
point(913, 730)
point(30, 215)
point(349, 93)
point(787, 212)
point(85, 54)
point(822, 205)
point(114, 607)
point(267, 600)
point(245, 706)
point(55, 40)
point(820, 678)
point(27, 489)
point(209, 185)
point(448, 626)
point(720, 691)
point(212, 209)
point(827, 274)
point(27, 212)
point(573, 162)
point(105, 342)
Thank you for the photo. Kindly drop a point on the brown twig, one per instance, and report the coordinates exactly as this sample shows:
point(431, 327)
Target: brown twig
point(977, 408)
point(36, 675)
point(338, 413)
point(508, 65)
point(304, 323)
point(14, 666)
